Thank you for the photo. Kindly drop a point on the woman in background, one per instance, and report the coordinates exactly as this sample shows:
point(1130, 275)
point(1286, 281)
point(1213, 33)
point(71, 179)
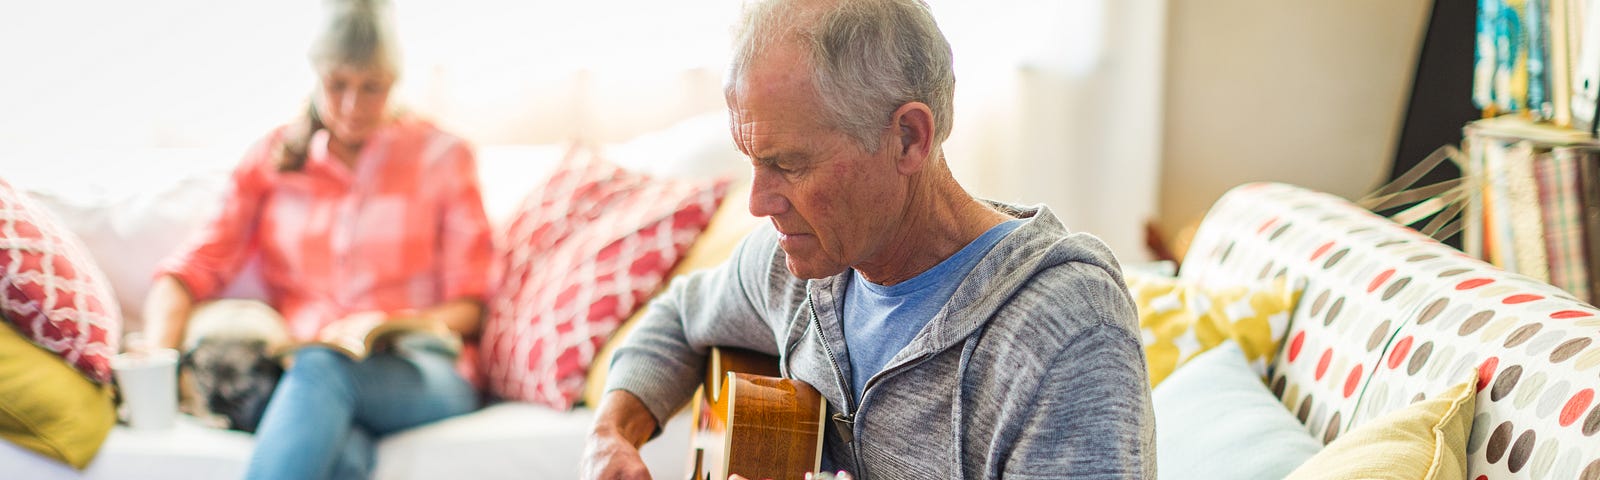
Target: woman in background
point(356, 214)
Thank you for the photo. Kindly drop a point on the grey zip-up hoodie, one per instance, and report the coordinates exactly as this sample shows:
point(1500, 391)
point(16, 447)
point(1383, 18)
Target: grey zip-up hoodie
point(1032, 370)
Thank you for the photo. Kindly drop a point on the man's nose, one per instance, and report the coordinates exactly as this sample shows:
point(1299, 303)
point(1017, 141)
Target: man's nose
point(765, 199)
point(767, 205)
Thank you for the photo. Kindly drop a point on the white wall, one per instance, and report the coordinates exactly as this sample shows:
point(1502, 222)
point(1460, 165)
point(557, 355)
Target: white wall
point(1309, 93)
point(1058, 101)
point(1077, 124)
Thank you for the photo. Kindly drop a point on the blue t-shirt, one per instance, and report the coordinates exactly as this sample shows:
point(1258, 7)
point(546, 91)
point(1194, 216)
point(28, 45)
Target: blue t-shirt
point(880, 320)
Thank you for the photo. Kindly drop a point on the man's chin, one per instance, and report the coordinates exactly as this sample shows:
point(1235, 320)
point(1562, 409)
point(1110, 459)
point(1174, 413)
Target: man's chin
point(811, 271)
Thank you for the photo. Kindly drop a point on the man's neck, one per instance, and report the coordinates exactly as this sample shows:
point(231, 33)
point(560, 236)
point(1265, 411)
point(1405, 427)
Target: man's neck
point(940, 219)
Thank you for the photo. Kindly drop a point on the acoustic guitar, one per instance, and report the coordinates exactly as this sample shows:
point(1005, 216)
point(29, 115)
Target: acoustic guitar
point(752, 423)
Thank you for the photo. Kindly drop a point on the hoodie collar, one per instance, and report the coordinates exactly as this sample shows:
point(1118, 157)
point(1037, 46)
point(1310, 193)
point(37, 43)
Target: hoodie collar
point(1041, 242)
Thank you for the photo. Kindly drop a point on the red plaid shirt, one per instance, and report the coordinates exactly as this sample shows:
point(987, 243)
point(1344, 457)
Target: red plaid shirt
point(404, 229)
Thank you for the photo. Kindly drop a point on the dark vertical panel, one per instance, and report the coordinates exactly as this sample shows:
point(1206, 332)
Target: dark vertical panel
point(1441, 91)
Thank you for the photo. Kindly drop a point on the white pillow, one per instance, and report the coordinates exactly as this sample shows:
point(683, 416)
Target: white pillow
point(506, 173)
point(1215, 419)
point(697, 147)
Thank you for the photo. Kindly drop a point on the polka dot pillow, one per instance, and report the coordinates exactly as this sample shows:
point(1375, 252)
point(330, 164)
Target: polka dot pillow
point(1363, 276)
point(1536, 351)
point(1179, 319)
point(1389, 317)
point(51, 290)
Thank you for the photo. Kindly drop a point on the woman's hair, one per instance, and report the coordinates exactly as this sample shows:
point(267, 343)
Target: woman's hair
point(356, 33)
point(296, 143)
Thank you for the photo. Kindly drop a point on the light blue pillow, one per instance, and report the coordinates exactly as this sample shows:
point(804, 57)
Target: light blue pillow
point(1215, 419)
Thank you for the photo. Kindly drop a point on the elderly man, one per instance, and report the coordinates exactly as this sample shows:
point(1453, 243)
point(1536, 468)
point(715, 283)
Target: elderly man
point(951, 337)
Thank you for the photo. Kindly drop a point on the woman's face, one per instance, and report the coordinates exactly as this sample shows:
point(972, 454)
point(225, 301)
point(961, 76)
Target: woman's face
point(353, 101)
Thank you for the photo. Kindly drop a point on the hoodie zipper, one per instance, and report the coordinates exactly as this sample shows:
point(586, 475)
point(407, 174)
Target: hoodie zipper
point(844, 421)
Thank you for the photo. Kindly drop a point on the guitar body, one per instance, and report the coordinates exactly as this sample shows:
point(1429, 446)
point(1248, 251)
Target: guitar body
point(753, 423)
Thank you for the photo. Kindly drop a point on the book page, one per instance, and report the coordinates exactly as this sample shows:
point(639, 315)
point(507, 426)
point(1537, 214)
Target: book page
point(360, 335)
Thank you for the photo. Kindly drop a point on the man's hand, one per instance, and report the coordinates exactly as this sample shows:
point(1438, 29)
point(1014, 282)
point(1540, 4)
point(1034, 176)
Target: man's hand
point(622, 424)
point(609, 456)
point(842, 475)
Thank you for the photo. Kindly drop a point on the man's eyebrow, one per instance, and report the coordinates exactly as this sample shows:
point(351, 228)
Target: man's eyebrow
point(773, 159)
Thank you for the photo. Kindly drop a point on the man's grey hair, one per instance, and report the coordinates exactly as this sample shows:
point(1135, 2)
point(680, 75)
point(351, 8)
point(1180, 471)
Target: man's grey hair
point(867, 58)
point(357, 33)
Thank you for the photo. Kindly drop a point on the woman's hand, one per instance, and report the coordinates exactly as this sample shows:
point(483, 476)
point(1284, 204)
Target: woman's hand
point(352, 328)
point(166, 313)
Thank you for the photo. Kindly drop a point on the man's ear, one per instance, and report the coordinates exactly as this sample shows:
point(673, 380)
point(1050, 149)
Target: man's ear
point(913, 128)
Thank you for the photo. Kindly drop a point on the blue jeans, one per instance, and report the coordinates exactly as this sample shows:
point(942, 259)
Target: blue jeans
point(328, 409)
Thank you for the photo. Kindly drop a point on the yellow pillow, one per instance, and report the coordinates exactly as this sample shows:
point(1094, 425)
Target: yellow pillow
point(1180, 319)
point(1426, 441)
point(729, 225)
point(48, 407)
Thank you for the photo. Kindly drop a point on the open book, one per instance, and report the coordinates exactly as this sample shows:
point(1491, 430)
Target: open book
point(358, 337)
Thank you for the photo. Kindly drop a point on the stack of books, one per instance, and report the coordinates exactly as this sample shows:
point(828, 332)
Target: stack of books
point(1535, 57)
point(1534, 203)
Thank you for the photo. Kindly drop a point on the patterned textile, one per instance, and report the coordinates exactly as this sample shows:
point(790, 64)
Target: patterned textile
point(728, 226)
point(1179, 320)
point(51, 289)
point(585, 251)
point(1535, 350)
point(1352, 302)
point(1390, 316)
point(404, 229)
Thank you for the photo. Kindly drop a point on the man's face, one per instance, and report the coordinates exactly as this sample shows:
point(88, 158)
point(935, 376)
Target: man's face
point(833, 203)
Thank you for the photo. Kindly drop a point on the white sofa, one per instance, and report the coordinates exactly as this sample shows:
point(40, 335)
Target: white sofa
point(506, 440)
point(132, 208)
point(1394, 315)
point(1389, 316)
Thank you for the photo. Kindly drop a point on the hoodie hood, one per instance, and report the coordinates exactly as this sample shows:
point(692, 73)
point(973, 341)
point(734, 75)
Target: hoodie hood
point(1041, 242)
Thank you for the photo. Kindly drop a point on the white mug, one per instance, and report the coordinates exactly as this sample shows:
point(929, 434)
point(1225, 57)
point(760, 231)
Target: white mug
point(148, 381)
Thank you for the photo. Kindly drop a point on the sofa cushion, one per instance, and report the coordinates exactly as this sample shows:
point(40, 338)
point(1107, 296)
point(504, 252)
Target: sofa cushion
point(1413, 315)
point(1180, 319)
point(1537, 353)
point(508, 440)
point(695, 147)
point(729, 225)
point(585, 250)
point(47, 407)
point(53, 291)
point(1361, 286)
point(1218, 420)
point(1426, 441)
point(515, 440)
point(133, 208)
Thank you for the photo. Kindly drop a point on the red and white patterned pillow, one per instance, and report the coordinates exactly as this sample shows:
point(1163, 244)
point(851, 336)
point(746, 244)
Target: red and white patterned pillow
point(51, 290)
point(582, 254)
